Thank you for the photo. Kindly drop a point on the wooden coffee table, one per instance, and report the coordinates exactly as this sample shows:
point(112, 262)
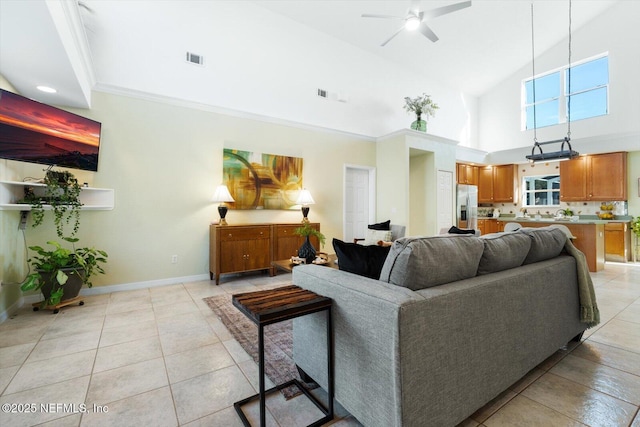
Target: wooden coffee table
point(287, 265)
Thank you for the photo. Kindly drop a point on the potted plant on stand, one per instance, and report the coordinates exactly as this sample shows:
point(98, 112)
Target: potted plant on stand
point(61, 272)
point(307, 251)
point(420, 105)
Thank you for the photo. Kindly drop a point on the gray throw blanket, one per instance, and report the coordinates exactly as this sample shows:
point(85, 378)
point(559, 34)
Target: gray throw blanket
point(589, 312)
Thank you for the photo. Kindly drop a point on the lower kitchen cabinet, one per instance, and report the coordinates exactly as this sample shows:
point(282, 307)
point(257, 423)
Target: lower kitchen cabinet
point(617, 242)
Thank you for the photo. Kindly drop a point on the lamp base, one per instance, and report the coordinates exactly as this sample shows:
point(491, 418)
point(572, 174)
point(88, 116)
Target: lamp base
point(305, 212)
point(222, 210)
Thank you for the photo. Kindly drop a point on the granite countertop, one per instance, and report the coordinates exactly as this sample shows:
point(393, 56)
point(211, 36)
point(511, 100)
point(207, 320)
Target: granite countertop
point(595, 220)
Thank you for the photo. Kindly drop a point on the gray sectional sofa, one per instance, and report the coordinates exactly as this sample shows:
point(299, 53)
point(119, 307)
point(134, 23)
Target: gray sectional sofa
point(452, 322)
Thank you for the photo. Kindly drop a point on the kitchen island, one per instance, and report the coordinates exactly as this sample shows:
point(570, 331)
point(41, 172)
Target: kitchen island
point(589, 236)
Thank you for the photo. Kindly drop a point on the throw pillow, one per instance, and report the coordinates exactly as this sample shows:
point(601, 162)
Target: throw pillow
point(358, 259)
point(374, 236)
point(546, 243)
point(421, 262)
point(503, 251)
point(456, 230)
point(380, 226)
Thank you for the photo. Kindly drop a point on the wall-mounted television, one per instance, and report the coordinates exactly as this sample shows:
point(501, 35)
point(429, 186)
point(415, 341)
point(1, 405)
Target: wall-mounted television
point(34, 132)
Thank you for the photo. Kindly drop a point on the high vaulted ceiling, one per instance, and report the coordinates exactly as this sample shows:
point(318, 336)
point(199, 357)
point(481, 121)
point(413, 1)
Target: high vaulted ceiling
point(132, 44)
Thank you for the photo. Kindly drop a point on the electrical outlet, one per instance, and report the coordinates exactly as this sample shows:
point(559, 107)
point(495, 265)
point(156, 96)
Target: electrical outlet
point(174, 259)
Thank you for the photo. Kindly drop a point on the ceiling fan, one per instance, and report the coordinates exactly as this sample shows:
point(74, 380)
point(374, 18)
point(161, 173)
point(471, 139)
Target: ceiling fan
point(415, 19)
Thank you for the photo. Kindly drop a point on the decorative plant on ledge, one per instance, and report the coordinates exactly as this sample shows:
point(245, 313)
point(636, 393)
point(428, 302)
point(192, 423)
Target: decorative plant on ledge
point(62, 193)
point(420, 105)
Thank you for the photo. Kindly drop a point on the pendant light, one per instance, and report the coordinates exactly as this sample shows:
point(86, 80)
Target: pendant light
point(564, 153)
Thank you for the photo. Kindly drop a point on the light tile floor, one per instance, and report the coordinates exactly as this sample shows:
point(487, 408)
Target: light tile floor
point(160, 357)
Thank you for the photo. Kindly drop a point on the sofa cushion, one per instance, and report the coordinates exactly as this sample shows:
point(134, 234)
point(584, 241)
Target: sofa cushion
point(358, 259)
point(374, 236)
point(546, 243)
point(503, 251)
point(421, 262)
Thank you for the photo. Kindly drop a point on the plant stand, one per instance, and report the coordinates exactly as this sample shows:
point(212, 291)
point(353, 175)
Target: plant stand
point(56, 308)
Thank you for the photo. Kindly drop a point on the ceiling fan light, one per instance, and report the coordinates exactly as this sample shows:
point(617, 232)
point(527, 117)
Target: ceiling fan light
point(412, 23)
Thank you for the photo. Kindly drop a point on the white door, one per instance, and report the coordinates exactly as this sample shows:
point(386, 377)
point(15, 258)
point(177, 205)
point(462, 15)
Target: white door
point(445, 200)
point(359, 201)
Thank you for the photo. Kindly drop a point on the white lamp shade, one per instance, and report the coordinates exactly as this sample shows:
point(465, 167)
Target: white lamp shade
point(222, 195)
point(304, 198)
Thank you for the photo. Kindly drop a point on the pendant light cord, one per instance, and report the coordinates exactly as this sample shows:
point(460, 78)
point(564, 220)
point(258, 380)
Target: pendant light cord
point(569, 78)
point(533, 73)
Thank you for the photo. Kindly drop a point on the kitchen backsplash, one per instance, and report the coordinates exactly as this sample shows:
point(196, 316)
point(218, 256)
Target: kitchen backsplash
point(579, 208)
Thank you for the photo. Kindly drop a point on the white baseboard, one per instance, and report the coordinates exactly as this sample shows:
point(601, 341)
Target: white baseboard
point(29, 299)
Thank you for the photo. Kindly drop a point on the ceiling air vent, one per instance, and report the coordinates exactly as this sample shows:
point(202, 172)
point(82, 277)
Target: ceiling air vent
point(194, 58)
point(322, 93)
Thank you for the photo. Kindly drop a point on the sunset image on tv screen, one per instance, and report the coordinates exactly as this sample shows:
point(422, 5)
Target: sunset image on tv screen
point(35, 132)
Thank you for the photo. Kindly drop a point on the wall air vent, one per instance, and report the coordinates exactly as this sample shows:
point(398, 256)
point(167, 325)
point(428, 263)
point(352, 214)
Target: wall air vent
point(323, 93)
point(194, 58)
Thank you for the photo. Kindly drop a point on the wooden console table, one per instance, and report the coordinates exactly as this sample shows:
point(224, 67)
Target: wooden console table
point(275, 305)
point(252, 247)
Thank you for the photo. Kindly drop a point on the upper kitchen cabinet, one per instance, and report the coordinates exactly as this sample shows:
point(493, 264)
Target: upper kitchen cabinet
point(467, 174)
point(498, 184)
point(599, 177)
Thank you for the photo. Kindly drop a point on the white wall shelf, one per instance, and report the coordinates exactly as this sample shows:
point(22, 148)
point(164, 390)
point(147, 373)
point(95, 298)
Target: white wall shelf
point(97, 199)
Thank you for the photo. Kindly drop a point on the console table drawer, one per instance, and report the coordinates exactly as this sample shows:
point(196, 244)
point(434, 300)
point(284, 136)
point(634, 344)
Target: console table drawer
point(248, 233)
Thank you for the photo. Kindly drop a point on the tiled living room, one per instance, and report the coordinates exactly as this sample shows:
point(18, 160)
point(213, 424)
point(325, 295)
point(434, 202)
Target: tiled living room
point(160, 356)
point(309, 83)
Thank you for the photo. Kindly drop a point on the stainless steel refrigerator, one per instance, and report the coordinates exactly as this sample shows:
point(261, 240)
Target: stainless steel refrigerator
point(467, 207)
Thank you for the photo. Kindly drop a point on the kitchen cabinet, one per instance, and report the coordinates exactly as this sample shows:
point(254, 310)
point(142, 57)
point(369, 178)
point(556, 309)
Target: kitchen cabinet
point(617, 241)
point(488, 226)
point(467, 174)
point(598, 177)
point(498, 184)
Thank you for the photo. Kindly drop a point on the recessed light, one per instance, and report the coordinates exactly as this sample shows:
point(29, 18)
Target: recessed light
point(46, 89)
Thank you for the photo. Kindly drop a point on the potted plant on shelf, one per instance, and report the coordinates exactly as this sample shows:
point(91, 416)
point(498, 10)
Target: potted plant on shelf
point(62, 193)
point(307, 251)
point(61, 272)
point(420, 105)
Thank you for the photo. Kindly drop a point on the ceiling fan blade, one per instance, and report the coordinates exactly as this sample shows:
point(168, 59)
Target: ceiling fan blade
point(426, 31)
point(372, 15)
point(429, 14)
point(390, 38)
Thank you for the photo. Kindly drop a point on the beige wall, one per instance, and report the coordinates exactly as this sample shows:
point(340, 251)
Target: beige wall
point(164, 162)
point(633, 172)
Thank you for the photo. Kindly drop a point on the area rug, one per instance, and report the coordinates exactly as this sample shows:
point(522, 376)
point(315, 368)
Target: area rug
point(278, 343)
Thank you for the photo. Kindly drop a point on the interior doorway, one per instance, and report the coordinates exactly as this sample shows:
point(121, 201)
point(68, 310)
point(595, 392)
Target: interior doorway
point(359, 200)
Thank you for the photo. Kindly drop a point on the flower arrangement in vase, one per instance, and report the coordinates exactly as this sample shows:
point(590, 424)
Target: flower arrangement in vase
point(420, 105)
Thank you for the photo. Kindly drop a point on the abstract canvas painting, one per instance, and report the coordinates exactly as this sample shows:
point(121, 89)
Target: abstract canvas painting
point(262, 181)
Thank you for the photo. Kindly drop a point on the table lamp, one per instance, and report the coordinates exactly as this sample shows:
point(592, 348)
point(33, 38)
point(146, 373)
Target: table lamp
point(305, 199)
point(221, 196)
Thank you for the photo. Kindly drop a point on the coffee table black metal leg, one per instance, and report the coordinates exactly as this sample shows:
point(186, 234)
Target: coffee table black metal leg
point(330, 361)
point(261, 374)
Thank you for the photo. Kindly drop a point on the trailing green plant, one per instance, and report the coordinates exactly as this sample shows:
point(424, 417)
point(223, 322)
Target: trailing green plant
point(62, 193)
point(307, 230)
point(60, 263)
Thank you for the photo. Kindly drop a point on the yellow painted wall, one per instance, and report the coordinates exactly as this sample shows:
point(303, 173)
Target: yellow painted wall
point(164, 162)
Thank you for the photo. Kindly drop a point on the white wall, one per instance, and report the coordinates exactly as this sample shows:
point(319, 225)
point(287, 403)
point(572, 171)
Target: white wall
point(251, 54)
point(615, 31)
